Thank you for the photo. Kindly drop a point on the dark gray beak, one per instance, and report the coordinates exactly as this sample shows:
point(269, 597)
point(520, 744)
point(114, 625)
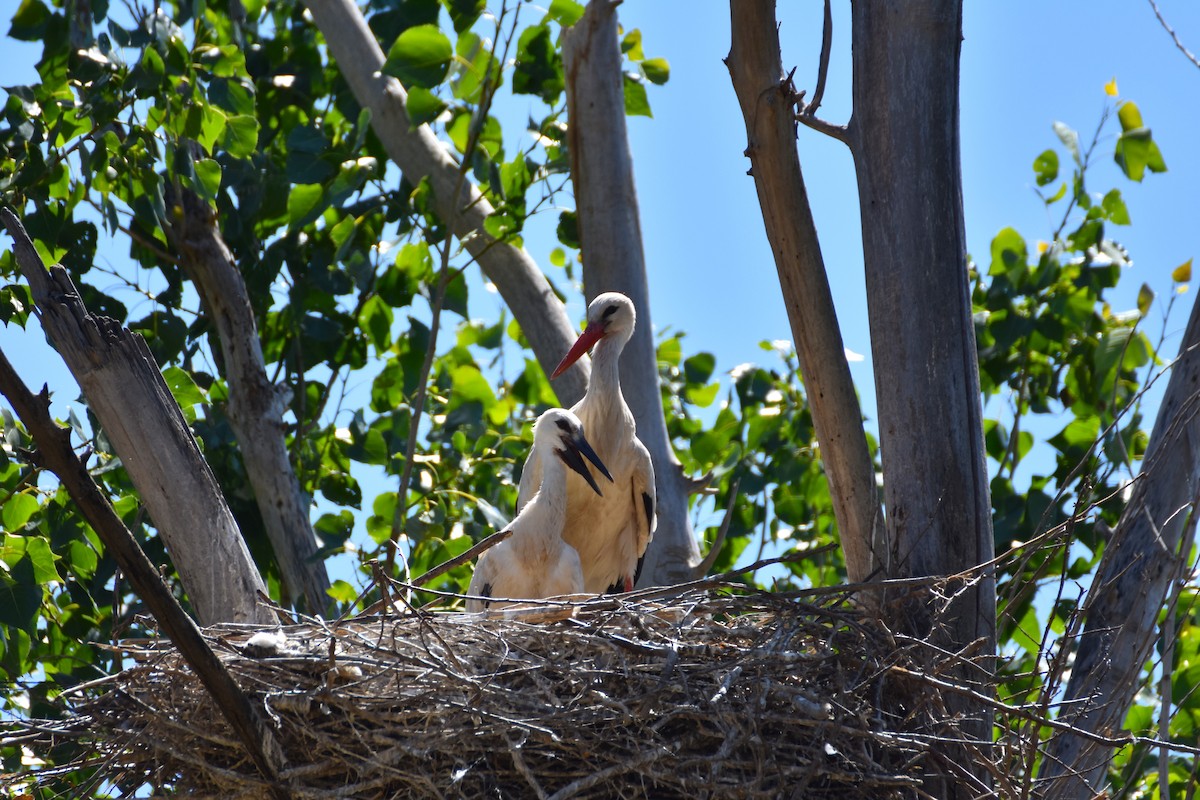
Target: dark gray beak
point(576, 448)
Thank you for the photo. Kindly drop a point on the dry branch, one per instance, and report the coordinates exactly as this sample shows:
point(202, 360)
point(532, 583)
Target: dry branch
point(54, 452)
point(256, 406)
point(716, 696)
point(610, 237)
point(766, 96)
point(125, 390)
point(1132, 583)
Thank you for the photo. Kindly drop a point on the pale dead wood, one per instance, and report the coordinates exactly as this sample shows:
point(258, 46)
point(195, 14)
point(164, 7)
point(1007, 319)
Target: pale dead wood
point(256, 406)
point(1132, 583)
point(766, 96)
point(55, 453)
point(125, 390)
point(610, 237)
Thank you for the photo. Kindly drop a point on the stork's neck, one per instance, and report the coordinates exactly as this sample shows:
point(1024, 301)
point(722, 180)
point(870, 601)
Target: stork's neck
point(604, 387)
point(543, 517)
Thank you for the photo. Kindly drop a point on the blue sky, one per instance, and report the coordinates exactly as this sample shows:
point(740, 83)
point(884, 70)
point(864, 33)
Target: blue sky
point(1026, 64)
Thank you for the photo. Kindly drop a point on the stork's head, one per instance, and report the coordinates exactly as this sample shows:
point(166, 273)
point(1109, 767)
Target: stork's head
point(562, 431)
point(610, 316)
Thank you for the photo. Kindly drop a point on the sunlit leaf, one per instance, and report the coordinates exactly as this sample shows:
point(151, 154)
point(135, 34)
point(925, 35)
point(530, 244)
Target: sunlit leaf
point(420, 56)
point(1183, 272)
point(637, 104)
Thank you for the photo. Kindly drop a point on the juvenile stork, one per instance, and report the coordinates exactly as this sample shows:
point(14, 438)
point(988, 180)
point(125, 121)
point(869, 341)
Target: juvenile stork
point(535, 561)
point(610, 532)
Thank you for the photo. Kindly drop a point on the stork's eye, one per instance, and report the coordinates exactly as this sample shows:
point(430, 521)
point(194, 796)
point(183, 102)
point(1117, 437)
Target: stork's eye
point(563, 425)
point(608, 312)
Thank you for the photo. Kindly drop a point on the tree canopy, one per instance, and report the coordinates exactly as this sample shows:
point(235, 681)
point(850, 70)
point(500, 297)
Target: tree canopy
point(403, 415)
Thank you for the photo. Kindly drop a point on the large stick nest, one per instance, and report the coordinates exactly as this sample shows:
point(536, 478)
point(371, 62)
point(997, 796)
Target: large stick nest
point(707, 696)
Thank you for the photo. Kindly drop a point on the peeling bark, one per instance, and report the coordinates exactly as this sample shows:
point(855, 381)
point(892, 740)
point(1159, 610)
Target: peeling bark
point(126, 391)
point(767, 99)
point(256, 406)
point(610, 237)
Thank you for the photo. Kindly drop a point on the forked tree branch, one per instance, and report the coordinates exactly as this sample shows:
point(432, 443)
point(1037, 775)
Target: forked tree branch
point(54, 453)
point(806, 113)
point(256, 406)
point(125, 389)
point(766, 97)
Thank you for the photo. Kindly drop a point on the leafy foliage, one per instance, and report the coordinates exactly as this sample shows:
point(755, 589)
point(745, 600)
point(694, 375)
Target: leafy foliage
point(347, 265)
point(350, 271)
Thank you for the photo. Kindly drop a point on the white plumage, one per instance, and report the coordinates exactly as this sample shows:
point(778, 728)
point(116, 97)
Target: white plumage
point(535, 561)
point(610, 532)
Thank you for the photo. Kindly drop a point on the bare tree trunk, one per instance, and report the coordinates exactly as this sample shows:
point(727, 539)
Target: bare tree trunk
point(126, 391)
point(905, 140)
point(542, 317)
point(54, 452)
point(768, 102)
point(610, 235)
point(256, 407)
point(1131, 586)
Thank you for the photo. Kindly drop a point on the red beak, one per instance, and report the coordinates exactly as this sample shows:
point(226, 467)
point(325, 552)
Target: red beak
point(592, 334)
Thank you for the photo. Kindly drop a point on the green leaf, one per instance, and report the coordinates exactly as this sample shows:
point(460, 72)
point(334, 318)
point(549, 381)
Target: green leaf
point(1114, 208)
point(538, 69)
point(631, 45)
point(1129, 115)
point(29, 23)
point(656, 70)
point(1010, 257)
point(1182, 273)
point(565, 12)
point(568, 229)
point(420, 57)
point(376, 320)
point(670, 351)
point(1136, 152)
point(17, 511)
point(342, 592)
point(423, 106)
point(474, 66)
point(699, 368)
point(637, 104)
point(241, 136)
point(208, 172)
point(1046, 167)
point(470, 386)
point(1079, 435)
point(464, 13)
point(1144, 299)
point(185, 391)
point(20, 596)
point(304, 204)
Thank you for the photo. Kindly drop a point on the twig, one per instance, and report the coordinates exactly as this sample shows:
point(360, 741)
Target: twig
point(714, 552)
point(823, 66)
point(1174, 37)
point(441, 569)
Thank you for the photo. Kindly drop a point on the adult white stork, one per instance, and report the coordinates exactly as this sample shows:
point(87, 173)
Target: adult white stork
point(609, 532)
point(535, 561)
